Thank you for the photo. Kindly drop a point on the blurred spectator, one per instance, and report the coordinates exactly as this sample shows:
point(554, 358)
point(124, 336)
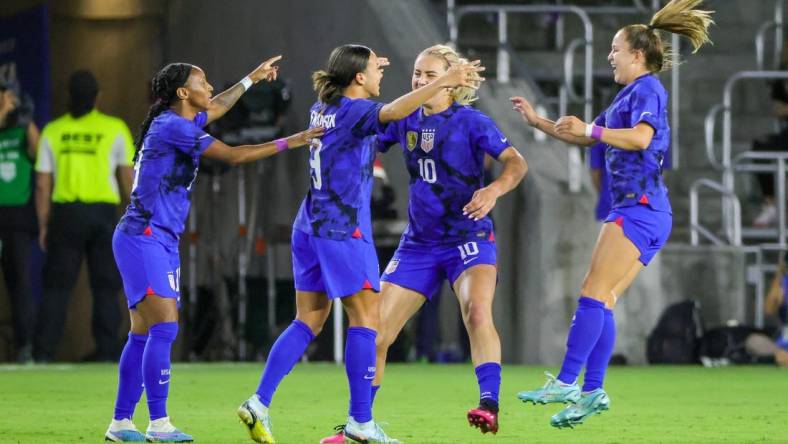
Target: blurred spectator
point(776, 304)
point(79, 155)
point(777, 141)
point(18, 141)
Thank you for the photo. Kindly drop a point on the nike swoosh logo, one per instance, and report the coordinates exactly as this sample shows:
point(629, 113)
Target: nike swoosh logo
point(469, 260)
point(503, 139)
point(369, 377)
point(163, 382)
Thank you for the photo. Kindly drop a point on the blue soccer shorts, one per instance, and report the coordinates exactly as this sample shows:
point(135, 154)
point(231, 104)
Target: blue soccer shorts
point(338, 268)
point(646, 228)
point(423, 267)
point(147, 266)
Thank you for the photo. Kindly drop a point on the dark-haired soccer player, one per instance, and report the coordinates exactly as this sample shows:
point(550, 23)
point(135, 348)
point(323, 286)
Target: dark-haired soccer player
point(170, 143)
point(333, 253)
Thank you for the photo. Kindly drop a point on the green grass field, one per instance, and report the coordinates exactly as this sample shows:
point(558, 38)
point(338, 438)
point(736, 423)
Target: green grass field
point(421, 404)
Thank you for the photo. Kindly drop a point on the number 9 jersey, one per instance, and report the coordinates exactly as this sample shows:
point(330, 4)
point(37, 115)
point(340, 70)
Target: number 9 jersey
point(444, 154)
point(340, 166)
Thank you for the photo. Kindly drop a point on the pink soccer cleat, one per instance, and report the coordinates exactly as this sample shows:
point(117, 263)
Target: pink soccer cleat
point(483, 419)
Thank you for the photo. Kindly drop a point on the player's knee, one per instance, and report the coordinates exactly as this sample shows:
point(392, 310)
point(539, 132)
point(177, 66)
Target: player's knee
point(479, 316)
point(316, 325)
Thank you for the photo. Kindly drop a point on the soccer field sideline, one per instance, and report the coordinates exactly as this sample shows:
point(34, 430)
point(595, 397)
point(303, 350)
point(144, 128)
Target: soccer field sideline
point(421, 403)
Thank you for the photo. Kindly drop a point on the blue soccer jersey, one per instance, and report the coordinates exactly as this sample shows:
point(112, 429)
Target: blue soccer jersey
point(164, 173)
point(444, 154)
point(636, 176)
point(596, 157)
point(340, 165)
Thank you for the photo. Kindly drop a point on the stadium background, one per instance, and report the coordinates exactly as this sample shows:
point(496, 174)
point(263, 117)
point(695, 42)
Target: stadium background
point(545, 231)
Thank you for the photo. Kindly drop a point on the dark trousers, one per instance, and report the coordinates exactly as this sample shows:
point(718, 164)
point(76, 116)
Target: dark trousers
point(77, 230)
point(16, 246)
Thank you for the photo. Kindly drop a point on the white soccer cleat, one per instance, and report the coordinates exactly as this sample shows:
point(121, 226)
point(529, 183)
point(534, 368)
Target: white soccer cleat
point(367, 433)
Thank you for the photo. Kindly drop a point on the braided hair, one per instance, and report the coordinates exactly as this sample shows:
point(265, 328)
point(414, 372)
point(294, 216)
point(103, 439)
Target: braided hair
point(164, 87)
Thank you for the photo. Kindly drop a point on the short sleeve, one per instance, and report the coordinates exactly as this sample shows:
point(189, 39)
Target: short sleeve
point(600, 120)
point(125, 156)
point(644, 107)
point(596, 156)
point(189, 136)
point(45, 161)
point(484, 134)
point(388, 138)
point(363, 118)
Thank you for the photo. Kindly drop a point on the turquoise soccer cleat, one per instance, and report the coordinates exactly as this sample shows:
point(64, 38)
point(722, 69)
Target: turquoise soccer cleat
point(591, 403)
point(553, 391)
point(162, 430)
point(367, 433)
point(123, 431)
point(254, 415)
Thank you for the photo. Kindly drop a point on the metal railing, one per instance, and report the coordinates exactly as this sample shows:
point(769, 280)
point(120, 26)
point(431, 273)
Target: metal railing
point(697, 230)
point(775, 24)
point(567, 90)
point(747, 162)
point(725, 163)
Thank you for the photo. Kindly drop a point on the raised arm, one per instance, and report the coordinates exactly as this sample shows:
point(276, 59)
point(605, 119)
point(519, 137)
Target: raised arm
point(484, 199)
point(249, 153)
point(458, 75)
point(224, 101)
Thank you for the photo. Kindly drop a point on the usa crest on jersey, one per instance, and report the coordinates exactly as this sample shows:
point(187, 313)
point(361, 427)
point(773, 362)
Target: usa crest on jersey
point(427, 139)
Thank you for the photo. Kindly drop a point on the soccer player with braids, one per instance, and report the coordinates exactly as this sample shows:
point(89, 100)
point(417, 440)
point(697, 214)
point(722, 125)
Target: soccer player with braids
point(333, 252)
point(635, 129)
point(169, 145)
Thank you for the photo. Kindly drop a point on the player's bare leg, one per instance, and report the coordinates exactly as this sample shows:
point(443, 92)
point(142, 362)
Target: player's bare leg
point(475, 289)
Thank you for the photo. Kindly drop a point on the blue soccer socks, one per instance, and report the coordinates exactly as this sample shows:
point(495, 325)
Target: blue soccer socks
point(583, 335)
point(600, 354)
point(360, 369)
point(156, 367)
point(130, 377)
point(284, 354)
point(489, 377)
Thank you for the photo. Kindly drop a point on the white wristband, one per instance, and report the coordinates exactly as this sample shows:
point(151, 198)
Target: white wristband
point(247, 83)
point(589, 128)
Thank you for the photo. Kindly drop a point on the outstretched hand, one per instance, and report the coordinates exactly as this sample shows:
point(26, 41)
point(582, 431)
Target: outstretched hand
point(570, 126)
point(464, 75)
point(305, 137)
point(525, 109)
point(266, 71)
point(383, 62)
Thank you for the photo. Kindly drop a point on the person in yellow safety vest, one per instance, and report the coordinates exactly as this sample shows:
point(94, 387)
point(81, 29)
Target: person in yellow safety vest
point(79, 156)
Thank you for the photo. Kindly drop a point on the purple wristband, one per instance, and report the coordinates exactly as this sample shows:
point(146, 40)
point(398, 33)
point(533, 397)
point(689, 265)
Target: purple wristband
point(281, 145)
point(596, 132)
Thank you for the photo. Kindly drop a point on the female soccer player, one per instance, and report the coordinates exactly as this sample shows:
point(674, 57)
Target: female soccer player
point(170, 143)
point(635, 130)
point(333, 254)
point(449, 234)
